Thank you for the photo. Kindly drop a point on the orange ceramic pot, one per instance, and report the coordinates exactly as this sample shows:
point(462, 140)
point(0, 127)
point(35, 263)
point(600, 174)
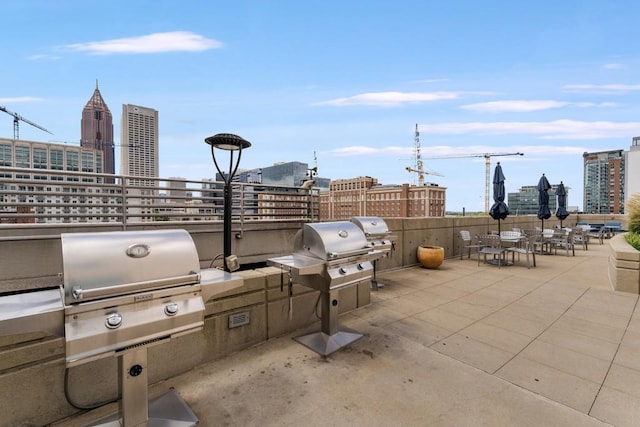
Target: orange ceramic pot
point(430, 256)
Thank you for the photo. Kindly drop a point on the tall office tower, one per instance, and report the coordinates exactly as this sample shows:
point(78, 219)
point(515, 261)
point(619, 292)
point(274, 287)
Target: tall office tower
point(632, 162)
point(139, 139)
point(96, 129)
point(604, 180)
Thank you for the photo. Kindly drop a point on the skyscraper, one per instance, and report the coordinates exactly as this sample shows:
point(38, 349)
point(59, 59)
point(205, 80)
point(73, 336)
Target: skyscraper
point(96, 129)
point(632, 174)
point(139, 139)
point(604, 182)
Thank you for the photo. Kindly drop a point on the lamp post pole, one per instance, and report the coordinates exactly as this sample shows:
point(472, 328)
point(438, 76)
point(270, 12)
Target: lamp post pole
point(231, 143)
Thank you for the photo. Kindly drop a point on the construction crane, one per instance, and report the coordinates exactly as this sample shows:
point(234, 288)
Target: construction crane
point(16, 119)
point(419, 169)
point(487, 161)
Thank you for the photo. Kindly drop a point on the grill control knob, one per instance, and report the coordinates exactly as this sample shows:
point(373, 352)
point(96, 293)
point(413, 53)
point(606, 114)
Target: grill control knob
point(114, 320)
point(360, 267)
point(342, 270)
point(171, 309)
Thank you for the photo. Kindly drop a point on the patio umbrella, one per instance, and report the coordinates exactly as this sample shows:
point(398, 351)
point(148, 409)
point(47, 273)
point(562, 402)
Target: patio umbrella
point(499, 210)
point(561, 193)
point(543, 199)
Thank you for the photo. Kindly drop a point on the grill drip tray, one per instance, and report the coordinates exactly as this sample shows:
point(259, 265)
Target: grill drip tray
point(167, 410)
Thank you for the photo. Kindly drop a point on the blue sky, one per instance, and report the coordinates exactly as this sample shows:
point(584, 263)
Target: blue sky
point(348, 80)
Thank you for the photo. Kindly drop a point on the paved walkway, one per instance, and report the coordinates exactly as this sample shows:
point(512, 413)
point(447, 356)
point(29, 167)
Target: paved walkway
point(463, 345)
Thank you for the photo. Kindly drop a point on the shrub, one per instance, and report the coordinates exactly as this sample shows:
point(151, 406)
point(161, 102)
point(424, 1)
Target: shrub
point(633, 213)
point(633, 239)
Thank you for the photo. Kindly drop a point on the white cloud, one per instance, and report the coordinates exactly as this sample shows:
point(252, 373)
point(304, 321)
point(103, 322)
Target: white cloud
point(609, 88)
point(20, 100)
point(43, 57)
point(521, 106)
point(177, 41)
point(514, 106)
point(613, 66)
point(558, 129)
point(390, 98)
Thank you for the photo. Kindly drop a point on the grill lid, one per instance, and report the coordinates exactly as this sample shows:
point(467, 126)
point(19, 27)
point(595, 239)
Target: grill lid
point(330, 240)
point(105, 264)
point(372, 226)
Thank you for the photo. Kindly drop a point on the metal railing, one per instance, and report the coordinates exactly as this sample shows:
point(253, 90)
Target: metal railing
point(44, 196)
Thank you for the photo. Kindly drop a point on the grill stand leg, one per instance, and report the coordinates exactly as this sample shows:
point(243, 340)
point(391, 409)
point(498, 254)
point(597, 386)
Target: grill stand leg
point(132, 379)
point(374, 282)
point(332, 336)
point(167, 410)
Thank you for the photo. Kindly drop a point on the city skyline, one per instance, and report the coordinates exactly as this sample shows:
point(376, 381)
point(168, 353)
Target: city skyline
point(489, 77)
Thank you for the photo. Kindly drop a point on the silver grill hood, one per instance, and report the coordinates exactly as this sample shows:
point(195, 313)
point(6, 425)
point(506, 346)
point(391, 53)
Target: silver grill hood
point(376, 232)
point(330, 240)
point(329, 255)
point(100, 265)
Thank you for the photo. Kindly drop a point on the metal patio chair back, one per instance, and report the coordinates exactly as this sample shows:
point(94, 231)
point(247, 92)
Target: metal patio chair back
point(466, 242)
point(527, 249)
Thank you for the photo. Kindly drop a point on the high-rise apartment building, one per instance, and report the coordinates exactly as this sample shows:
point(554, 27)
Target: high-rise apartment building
point(604, 182)
point(139, 138)
point(632, 175)
point(96, 129)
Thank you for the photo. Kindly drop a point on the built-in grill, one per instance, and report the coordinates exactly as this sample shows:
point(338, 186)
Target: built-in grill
point(327, 257)
point(122, 292)
point(379, 237)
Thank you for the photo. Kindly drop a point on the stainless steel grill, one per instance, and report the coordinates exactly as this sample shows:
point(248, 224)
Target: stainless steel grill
point(376, 232)
point(121, 292)
point(379, 237)
point(327, 257)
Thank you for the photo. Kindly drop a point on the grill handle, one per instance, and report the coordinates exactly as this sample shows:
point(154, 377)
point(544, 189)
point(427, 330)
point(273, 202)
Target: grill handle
point(335, 255)
point(80, 294)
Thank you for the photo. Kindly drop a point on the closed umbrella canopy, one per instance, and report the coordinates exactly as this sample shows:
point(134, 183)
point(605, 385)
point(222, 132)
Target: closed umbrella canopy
point(499, 210)
point(543, 198)
point(561, 193)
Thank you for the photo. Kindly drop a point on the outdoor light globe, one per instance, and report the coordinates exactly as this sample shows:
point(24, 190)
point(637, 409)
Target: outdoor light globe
point(227, 141)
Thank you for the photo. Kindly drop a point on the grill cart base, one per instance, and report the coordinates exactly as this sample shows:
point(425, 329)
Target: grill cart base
point(166, 410)
point(324, 344)
point(332, 337)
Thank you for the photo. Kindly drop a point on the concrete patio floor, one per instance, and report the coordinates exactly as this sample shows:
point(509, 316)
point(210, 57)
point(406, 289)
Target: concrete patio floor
point(462, 345)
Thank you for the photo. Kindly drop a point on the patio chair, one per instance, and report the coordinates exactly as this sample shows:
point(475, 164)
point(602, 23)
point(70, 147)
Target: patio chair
point(581, 237)
point(563, 239)
point(466, 242)
point(528, 248)
point(600, 235)
point(490, 244)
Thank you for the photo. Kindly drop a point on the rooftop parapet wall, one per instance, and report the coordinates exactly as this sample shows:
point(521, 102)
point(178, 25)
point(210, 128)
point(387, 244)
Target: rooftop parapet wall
point(31, 258)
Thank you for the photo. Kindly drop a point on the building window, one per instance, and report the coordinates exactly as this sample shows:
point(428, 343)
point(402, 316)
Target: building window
point(23, 157)
point(5, 155)
point(39, 158)
point(56, 160)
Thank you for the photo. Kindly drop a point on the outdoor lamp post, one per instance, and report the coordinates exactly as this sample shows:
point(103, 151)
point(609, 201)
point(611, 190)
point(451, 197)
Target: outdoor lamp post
point(230, 143)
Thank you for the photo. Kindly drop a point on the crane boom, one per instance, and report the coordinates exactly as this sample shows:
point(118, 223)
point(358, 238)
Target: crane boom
point(487, 161)
point(17, 118)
